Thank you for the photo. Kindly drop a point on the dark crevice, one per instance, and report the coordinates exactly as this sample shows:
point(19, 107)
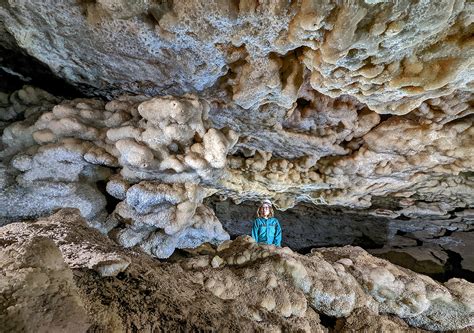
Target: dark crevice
point(384, 117)
point(366, 242)
point(445, 233)
point(453, 212)
point(10, 82)
point(402, 217)
point(453, 268)
point(112, 202)
point(362, 241)
point(302, 103)
point(462, 119)
point(328, 321)
point(391, 203)
point(306, 250)
point(442, 273)
point(33, 72)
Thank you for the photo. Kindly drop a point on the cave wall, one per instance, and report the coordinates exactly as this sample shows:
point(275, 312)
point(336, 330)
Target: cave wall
point(301, 102)
point(155, 118)
point(332, 101)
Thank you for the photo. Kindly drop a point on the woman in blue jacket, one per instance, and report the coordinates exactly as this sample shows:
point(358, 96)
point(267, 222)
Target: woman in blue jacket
point(266, 228)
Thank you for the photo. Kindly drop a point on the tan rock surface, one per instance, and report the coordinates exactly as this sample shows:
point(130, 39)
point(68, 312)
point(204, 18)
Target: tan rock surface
point(358, 104)
point(162, 156)
point(37, 292)
point(303, 85)
point(333, 102)
point(390, 56)
point(254, 286)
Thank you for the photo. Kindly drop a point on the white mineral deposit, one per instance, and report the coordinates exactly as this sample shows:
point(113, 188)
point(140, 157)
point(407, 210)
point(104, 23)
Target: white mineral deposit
point(138, 140)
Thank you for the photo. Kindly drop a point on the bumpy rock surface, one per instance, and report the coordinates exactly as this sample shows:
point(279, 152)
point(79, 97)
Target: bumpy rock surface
point(37, 292)
point(239, 285)
point(357, 104)
point(437, 246)
point(139, 144)
point(334, 102)
point(390, 56)
point(165, 148)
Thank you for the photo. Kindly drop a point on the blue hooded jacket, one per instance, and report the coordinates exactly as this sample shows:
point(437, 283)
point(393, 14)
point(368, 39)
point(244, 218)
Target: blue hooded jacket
point(267, 231)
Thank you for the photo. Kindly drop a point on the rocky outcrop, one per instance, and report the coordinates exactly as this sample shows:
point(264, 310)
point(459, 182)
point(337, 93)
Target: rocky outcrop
point(362, 105)
point(161, 218)
point(56, 156)
point(333, 103)
point(389, 56)
point(239, 285)
point(38, 293)
point(55, 159)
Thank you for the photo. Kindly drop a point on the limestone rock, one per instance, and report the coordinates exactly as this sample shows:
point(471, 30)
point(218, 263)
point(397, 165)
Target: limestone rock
point(147, 294)
point(259, 287)
point(189, 140)
point(390, 286)
point(362, 319)
point(38, 293)
point(423, 259)
point(358, 48)
point(79, 245)
point(160, 218)
point(326, 103)
point(63, 153)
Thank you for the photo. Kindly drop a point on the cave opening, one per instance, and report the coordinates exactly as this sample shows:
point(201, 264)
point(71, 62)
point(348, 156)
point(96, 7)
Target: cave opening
point(18, 68)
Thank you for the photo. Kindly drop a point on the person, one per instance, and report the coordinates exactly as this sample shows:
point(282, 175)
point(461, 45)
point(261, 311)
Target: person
point(266, 228)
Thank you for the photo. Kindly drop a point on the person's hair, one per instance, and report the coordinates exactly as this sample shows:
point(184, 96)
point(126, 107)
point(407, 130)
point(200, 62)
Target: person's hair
point(260, 215)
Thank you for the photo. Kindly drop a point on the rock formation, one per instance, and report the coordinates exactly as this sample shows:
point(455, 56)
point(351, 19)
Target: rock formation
point(333, 103)
point(438, 246)
point(166, 152)
point(390, 56)
point(162, 156)
point(256, 286)
point(358, 109)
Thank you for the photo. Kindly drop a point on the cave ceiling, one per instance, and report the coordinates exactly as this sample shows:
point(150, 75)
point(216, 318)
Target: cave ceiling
point(315, 102)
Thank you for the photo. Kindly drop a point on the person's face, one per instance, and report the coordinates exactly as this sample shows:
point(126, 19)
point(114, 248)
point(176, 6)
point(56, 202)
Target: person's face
point(265, 210)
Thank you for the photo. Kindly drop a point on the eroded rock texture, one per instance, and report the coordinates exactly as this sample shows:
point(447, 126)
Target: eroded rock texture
point(333, 102)
point(357, 104)
point(440, 247)
point(390, 56)
point(162, 156)
point(37, 289)
point(165, 147)
point(237, 286)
